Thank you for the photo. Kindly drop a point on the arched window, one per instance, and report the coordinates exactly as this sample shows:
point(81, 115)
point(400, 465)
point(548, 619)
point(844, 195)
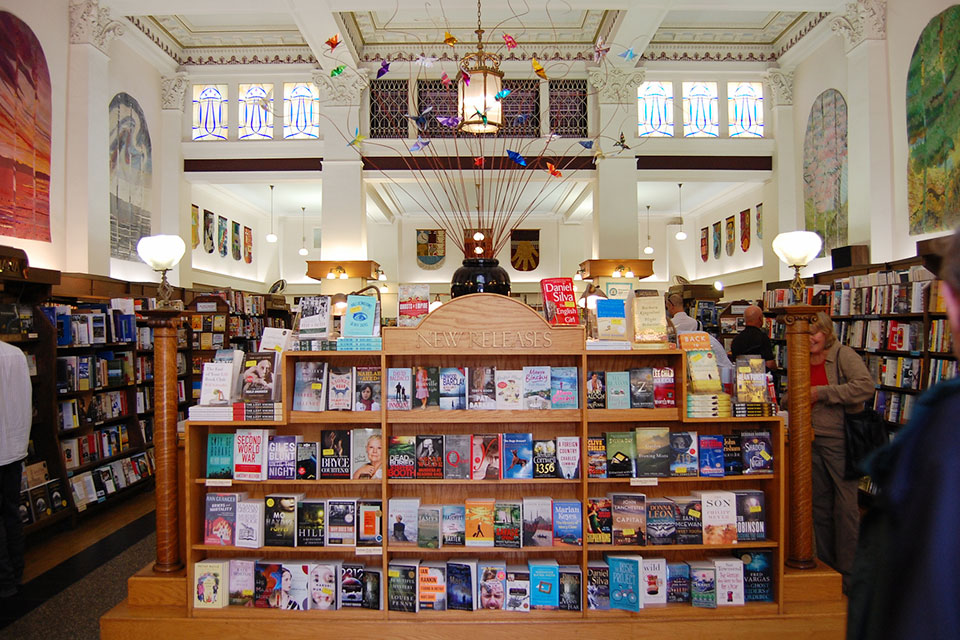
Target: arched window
point(131, 173)
point(825, 170)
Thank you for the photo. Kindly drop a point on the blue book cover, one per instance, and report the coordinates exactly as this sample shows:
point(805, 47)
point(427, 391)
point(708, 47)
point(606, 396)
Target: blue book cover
point(625, 583)
point(517, 455)
point(64, 331)
point(453, 388)
point(359, 316)
point(564, 390)
point(618, 389)
point(567, 523)
point(460, 579)
point(661, 523)
point(711, 456)
point(219, 455)
point(544, 584)
point(757, 575)
point(678, 582)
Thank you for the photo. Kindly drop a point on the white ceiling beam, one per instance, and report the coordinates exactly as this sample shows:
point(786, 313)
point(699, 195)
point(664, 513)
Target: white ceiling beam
point(586, 192)
point(183, 7)
point(316, 21)
point(636, 26)
point(387, 213)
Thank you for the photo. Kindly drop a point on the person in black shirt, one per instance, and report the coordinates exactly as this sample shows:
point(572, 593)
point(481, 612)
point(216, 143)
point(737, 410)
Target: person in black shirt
point(753, 340)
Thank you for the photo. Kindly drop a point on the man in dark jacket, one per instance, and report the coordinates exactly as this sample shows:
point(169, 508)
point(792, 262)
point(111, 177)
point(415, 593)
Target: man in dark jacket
point(753, 340)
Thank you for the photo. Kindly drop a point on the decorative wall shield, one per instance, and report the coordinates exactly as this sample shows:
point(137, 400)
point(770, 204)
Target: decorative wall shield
point(431, 248)
point(705, 243)
point(731, 232)
point(209, 230)
point(223, 231)
point(760, 221)
point(235, 240)
point(716, 240)
point(525, 249)
point(745, 230)
point(247, 245)
point(194, 226)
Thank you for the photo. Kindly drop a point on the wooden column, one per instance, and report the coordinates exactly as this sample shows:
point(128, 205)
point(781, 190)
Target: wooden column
point(165, 323)
point(800, 544)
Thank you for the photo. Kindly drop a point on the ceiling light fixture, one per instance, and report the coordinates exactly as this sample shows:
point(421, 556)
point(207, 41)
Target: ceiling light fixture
point(436, 304)
point(271, 237)
point(578, 275)
point(303, 238)
point(479, 85)
point(649, 248)
point(681, 234)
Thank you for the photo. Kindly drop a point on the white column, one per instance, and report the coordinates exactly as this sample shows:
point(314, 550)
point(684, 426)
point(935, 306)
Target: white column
point(88, 130)
point(344, 210)
point(870, 177)
point(787, 213)
point(174, 218)
point(615, 208)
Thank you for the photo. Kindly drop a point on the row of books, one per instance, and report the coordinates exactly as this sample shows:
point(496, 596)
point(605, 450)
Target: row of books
point(894, 406)
point(92, 324)
point(709, 405)
point(813, 294)
point(91, 372)
point(233, 375)
point(941, 370)
point(907, 297)
point(937, 303)
point(895, 371)
point(882, 277)
point(143, 367)
point(98, 484)
point(659, 452)
point(236, 412)
point(889, 335)
point(247, 326)
point(640, 388)
point(40, 496)
point(241, 302)
point(102, 443)
point(940, 338)
point(93, 409)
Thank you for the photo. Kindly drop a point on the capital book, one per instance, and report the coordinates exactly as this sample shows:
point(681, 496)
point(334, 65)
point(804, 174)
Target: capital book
point(507, 524)
point(399, 389)
point(402, 458)
point(309, 386)
point(430, 457)
point(559, 301)
point(629, 518)
point(282, 457)
point(250, 454)
point(340, 388)
point(280, 519)
point(220, 455)
point(335, 454)
point(453, 525)
point(311, 522)
point(517, 455)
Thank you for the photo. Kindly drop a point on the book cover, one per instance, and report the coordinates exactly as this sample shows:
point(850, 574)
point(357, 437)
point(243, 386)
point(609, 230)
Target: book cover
point(402, 461)
point(428, 526)
point(507, 524)
point(402, 582)
point(453, 388)
point(217, 384)
point(341, 522)
point(653, 452)
point(453, 525)
point(564, 389)
point(366, 454)
point(732, 455)
point(545, 459)
point(664, 388)
point(537, 522)
point(429, 457)
point(559, 301)
point(282, 457)
point(688, 515)
point(641, 388)
point(729, 581)
point(280, 520)
point(322, 579)
point(268, 581)
point(427, 385)
point(219, 455)
point(647, 318)
point(684, 454)
point(678, 582)
point(599, 521)
point(757, 574)
point(462, 584)
point(307, 460)
point(719, 516)
point(457, 456)
point(340, 388)
point(433, 586)
point(611, 319)
point(536, 387)
point(751, 515)
point(618, 389)
point(626, 591)
point(359, 317)
point(703, 372)
point(369, 522)
point(250, 454)
point(661, 522)
point(756, 450)
point(309, 386)
point(211, 584)
point(350, 592)
point(629, 518)
point(517, 455)
point(621, 454)
point(413, 304)
point(399, 389)
point(596, 390)
point(367, 389)
point(335, 455)
point(653, 581)
point(567, 523)
point(596, 457)
point(492, 584)
point(711, 456)
point(485, 456)
point(598, 585)
point(544, 584)
point(220, 518)
point(509, 386)
point(258, 382)
point(479, 514)
point(372, 588)
point(311, 530)
point(518, 588)
point(242, 581)
point(403, 514)
point(250, 523)
point(482, 391)
point(315, 317)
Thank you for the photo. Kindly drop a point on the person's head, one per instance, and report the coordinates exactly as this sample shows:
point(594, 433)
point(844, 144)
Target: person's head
point(491, 595)
point(322, 586)
point(264, 366)
point(753, 316)
point(821, 334)
point(374, 448)
point(286, 579)
point(366, 392)
point(674, 304)
point(950, 274)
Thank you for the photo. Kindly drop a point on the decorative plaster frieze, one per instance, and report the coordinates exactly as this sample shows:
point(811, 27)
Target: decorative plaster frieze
point(701, 52)
point(344, 90)
point(164, 43)
point(781, 86)
point(862, 20)
point(249, 55)
point(172, 90)
point(615, 85)
point(801, 29)
point(91, 24)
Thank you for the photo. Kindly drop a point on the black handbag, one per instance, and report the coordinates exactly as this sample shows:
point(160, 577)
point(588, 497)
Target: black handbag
point(865, 433)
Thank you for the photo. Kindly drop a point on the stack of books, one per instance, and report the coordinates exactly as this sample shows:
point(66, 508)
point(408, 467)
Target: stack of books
point(709, 405)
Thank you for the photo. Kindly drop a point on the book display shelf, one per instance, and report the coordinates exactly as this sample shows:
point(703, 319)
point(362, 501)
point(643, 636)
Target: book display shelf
point(207, 319)
point(460, 334)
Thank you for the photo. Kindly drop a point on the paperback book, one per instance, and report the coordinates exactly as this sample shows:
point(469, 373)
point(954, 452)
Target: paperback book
point(280, 520)
point(536, 387)
point(507, 524)
point(453, 525)
point(310, 523)
point(367, 389)
point(509, 386)
point(482, 391)
point(653, 452)
point(402, 460)
point(618, 389)
point(219, 455)
point(456, 457)
point(517, 455)
point(596, 390)
point(429, 457)
point(453, 388)
point(629, 518)
point(596, 457)
point(599, 521)
point(485, 460)
point(399, 389)
point(366, 454)
point(564, 390)
point(568, 457)
point(341, 522)
point(545, 459)
point(335, 454)
point(684, 454)
point(340, 388)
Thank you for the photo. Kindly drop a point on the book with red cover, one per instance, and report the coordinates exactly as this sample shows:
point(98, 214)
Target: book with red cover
point(559, 301)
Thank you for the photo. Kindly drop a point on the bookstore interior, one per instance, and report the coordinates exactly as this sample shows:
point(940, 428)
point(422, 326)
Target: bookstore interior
point(499, 368)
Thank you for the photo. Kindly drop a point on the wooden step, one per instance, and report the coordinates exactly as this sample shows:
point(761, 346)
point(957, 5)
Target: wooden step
point(146, 588)
point(820, 584)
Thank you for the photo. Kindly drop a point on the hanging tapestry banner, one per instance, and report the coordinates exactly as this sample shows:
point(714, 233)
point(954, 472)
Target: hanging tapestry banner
point(760, 221)
point(525, 249)
point(431, 248)
point(731, 231)
point(208, 231)
point(716, 240)
point(745, 230)
point(223, 231)
point(247, 245)
point(705, 243)
point(235, 240)
point(194, 226)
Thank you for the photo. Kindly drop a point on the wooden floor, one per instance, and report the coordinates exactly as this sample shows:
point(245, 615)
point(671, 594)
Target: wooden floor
point(53, 547)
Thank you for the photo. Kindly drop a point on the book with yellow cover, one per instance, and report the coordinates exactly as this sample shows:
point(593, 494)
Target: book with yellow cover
point(479, 521)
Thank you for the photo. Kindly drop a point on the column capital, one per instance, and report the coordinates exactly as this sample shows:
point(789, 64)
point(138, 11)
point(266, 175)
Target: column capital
point(861, 20)
point(781, 86)
point(615, 85)
point(172, 90)
point(91, 24)
point(344, 90)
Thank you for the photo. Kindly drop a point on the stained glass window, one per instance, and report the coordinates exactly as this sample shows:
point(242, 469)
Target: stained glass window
point(655, 109)
point(568, 108)
point(210, 112)
point(745, 109)
point(700, 118)
point(388, 108)
point(256, 111)
point(301, 111)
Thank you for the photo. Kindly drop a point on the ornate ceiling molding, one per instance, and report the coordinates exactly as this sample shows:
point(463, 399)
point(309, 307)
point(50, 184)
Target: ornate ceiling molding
point(188, 35)
point(91, 24)
point(781, 86)
point(343, 91)
point(862, 20)
point(697, 52)
point(158, 37)
point(248, 55)
point(801, 29)
point(615, 85)
point(446, 54)
point(172, 90)
point(762, 34)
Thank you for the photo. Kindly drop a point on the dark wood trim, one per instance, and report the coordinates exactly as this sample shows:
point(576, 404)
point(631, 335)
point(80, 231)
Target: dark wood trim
point(442, 163)
point(252, 164)
point(705, 163)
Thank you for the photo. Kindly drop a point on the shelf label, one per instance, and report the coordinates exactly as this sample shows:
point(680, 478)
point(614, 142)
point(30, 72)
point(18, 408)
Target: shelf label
point(33, 335)
point(204, 307)
point(219, 482)
point(369, 551)
point(644, 482)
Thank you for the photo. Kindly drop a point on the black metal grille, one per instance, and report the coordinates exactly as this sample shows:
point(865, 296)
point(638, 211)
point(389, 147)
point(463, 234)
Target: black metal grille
point(568, 108)
point(388, 108)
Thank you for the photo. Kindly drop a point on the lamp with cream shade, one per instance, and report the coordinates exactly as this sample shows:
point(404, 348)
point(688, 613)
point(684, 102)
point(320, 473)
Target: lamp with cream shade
point(796, 249)
point(162, 253)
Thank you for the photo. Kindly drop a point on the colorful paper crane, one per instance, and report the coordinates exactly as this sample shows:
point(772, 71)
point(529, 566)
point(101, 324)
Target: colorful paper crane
point(552, 170)
point(622, 143)
point(538, 69)
point(425, 61)
point(511, 43)
point(520, 119)
point(516, 157)
point(419, 144)
point(337, 71)
point(333, 42)
point(384, 69)
point(628, 54)
point(465, 77)
point(586, 144)
point(448, 38)
point(482, 114)
point(445, 79)
point(478, 161)
point(500, 95)
point(599, 51)
point(449, 121)
point(357, 138)
point(421, 119)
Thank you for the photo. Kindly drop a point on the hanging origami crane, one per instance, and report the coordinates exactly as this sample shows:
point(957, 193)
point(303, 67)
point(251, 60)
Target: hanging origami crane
point(384, 68)
point(628, 54)
point(586, 144)
point(503, 93)
point(538, 69)
point(599, 51)
point(511, 43)
point(521, 118)
point(419, 144)
point(449, 39)
point(449, 121)
point(445, 79)
point(335, 72)
point(421, 119)
point(516, 157)
point(482, 114)
point(333, 42)
point(622, 143)
point(553, 136)
point(478, 161)
point(552, 170)
point(425, 61)
point(357, 138)
point(463, 75)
